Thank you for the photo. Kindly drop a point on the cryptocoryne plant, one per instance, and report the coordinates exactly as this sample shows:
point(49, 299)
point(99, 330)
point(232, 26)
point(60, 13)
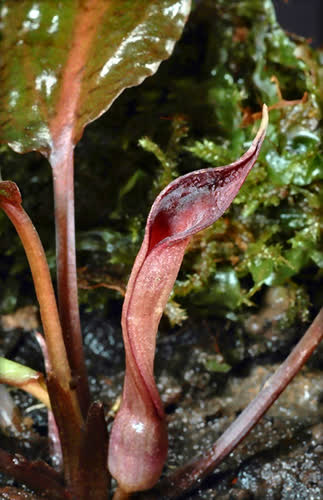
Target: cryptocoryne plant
point(83, 56)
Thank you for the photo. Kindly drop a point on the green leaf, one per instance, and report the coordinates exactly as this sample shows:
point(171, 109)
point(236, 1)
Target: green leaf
point(215, 364)
point(64, 63)
point(223, 291)
point(25, 378)
point(11, 371)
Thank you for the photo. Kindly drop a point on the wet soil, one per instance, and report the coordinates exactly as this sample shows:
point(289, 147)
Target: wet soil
point(282, 456)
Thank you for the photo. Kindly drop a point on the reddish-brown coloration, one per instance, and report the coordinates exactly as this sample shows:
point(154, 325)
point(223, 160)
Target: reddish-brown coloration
point(38, 475)
point(9, 193)
point(138, 443)
point(94, 479)
point(10, 202)
point(62, 128)
point(63, 398)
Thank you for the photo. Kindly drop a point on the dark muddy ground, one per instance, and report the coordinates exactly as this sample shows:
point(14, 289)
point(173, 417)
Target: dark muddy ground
point(280, 459)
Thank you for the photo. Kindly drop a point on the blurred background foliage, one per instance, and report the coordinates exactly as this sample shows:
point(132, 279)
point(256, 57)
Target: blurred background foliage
point(201, 109)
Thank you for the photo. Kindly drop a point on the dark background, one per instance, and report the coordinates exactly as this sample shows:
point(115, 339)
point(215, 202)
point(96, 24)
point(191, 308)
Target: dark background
point(302, 17)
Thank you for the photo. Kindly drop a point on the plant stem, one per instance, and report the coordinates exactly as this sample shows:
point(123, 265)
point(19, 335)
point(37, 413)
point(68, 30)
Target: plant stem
point(63, 179)
point(193, 473)
point(44, 291)
point(37, 475)
point(94, 477)
point(119, 494)
point(63, 398)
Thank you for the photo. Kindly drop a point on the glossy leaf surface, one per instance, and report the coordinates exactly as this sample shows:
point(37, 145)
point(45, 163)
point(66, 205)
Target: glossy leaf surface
point(64, 63)
point(138, 442)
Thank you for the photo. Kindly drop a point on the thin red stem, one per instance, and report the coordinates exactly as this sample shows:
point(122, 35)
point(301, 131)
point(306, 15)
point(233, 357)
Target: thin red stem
point(63, 178)
point(65, 131)
point(44, 290)
point(63, 398)
point(190, 475)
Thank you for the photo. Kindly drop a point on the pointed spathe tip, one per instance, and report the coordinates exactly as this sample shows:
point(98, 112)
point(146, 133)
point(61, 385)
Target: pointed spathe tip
point(263, 124)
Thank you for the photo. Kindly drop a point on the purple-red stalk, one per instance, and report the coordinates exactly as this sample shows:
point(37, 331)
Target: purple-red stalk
point(63, 398)
point(67, 291)
point(10, 202)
